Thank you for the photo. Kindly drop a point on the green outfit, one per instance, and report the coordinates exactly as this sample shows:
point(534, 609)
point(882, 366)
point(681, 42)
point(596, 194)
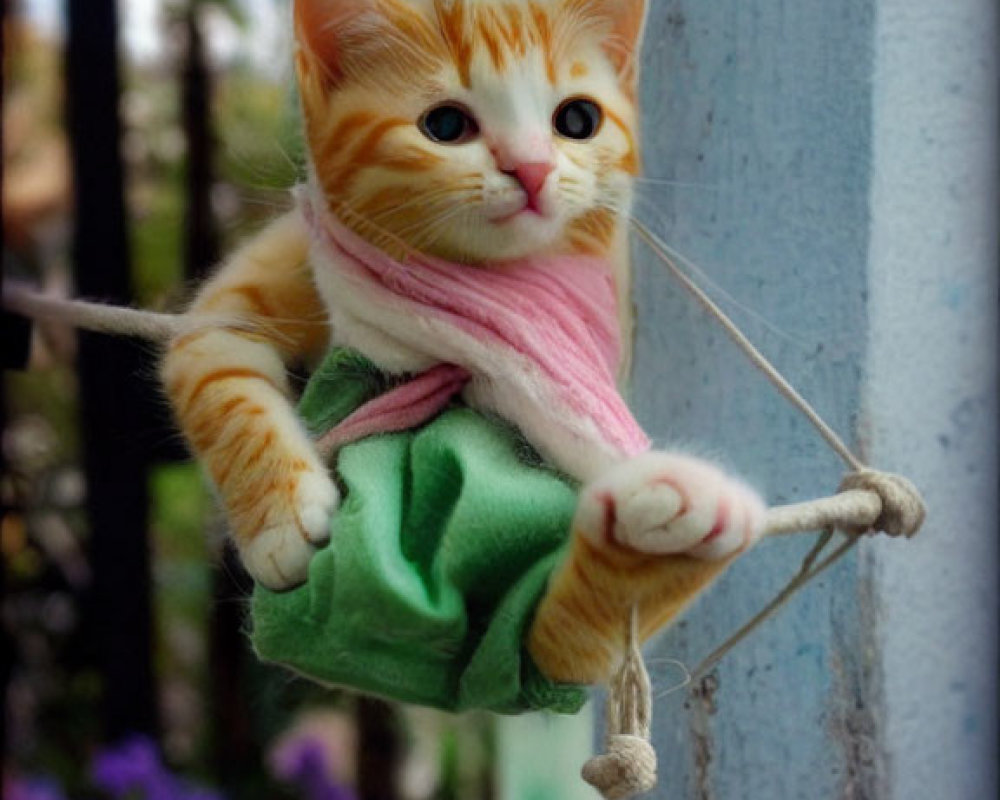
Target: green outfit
point(441, 550)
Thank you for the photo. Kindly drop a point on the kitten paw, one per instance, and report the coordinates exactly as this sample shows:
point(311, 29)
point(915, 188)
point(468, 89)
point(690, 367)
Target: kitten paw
point(278, 555)
point(661, 503)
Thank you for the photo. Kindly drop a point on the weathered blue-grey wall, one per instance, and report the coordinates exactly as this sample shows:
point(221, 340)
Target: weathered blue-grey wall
point(931, 387)
point(759, 126)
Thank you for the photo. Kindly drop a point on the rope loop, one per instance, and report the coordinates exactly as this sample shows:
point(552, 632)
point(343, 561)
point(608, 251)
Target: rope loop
point(903, 509)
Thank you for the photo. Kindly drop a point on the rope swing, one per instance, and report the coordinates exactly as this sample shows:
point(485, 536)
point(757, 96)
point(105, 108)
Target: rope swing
point(867, 501)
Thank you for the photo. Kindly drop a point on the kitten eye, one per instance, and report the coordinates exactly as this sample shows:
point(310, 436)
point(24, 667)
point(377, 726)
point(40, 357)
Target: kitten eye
point(578, 118)
point(448, 124)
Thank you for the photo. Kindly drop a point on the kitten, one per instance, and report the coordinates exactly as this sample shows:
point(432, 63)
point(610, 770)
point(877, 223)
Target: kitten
point(481, 133)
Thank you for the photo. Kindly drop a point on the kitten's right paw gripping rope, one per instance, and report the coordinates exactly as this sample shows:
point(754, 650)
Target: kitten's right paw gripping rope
point(868, 501)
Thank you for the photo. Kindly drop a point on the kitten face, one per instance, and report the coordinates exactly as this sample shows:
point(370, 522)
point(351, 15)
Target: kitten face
point(473, 130)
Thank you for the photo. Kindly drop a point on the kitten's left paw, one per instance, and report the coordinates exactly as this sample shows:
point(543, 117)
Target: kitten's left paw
point(316, 499)
point(278, 556)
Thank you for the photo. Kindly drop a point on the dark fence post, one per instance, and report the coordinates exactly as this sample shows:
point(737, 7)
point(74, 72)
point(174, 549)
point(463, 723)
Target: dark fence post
point(201, 241)
point(116, 420)
point(380, 750)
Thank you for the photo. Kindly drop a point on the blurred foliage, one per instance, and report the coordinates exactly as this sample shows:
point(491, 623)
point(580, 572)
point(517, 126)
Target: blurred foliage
point(258, 160)
point(233, 9)
point(261, 150)
point(183, 580)
point(51, 395)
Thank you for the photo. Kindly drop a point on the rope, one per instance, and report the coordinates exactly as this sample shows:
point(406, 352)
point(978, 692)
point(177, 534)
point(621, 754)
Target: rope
point(868, 501)
point(902, 508)
point(855, 507)
point(629, 766)
point(756, 357)
point(154, 326)
point(98, 317)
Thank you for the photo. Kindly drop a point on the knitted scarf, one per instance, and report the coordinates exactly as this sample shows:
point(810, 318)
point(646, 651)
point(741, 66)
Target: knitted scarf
point(545, 328)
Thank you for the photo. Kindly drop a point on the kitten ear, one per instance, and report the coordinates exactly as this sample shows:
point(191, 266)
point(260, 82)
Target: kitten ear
point(626, 20)
point(629, 17)
point(321, 27)
point(630, 24)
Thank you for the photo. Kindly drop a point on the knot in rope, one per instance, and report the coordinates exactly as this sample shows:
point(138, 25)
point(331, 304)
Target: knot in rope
point(629, 766)
point(903, 508)
point(626, 770)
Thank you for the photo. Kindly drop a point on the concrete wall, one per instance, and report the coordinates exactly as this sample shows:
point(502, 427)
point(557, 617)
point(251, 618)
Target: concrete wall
point(931, 387)
point(830, 167)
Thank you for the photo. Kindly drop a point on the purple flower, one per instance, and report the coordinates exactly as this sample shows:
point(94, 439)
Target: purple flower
point(133, 764)
point(302, 760)
point(135, 767)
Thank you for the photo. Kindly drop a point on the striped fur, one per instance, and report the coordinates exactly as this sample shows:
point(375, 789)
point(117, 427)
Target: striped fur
point(368, 70)
point(367, 77)
point(230, 395)
point(652, 532)
point(579, 631)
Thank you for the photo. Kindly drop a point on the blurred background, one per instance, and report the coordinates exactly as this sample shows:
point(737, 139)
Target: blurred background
point(126, 668)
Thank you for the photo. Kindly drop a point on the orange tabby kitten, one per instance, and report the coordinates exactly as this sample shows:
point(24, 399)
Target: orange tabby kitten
point(477, 131)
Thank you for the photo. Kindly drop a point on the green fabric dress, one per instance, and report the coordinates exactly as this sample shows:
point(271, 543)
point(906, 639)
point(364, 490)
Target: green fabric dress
point(441, 550)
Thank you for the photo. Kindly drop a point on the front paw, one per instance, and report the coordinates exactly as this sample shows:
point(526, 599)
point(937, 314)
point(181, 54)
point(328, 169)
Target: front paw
point(277, 553)
point(661, 503)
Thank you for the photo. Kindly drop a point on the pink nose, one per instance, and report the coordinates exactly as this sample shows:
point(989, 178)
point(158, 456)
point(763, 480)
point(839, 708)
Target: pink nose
point(531, 175)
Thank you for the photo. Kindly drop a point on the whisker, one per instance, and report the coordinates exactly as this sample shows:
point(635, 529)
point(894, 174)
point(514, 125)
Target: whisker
point(617, 210)
point(436, 225)
point(423, 197)
point(435, 228)
point(427, 222)
point(342, 207)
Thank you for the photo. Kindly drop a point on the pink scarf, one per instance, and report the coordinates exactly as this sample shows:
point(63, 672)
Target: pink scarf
point(555, 315)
